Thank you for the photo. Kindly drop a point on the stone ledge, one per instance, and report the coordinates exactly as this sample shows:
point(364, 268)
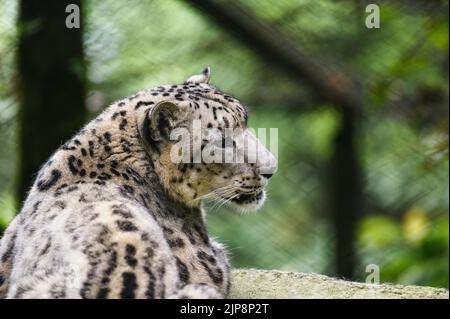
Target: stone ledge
point(255, 283)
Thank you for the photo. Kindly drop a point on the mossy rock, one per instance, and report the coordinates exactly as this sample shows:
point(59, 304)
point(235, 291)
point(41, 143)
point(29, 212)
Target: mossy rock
point(255, 283)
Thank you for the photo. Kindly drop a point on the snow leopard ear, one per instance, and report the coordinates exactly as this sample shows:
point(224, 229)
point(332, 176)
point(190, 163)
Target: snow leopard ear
point(161, 120)
point(203, 77)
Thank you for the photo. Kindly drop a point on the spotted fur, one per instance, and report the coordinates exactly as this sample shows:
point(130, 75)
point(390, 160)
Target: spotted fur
point(110, 216)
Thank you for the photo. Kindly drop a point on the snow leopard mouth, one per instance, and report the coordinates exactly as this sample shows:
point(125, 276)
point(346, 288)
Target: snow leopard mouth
point(246, 199)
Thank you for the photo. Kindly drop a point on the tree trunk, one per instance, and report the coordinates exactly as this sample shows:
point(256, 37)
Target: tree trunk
point(346, 192)
point(51, 84)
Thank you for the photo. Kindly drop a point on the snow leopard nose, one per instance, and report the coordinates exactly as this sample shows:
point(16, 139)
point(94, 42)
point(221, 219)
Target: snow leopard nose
point(266, 165)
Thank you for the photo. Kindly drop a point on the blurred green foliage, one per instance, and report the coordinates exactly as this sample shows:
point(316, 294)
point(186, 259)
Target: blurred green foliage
point(403, 148)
